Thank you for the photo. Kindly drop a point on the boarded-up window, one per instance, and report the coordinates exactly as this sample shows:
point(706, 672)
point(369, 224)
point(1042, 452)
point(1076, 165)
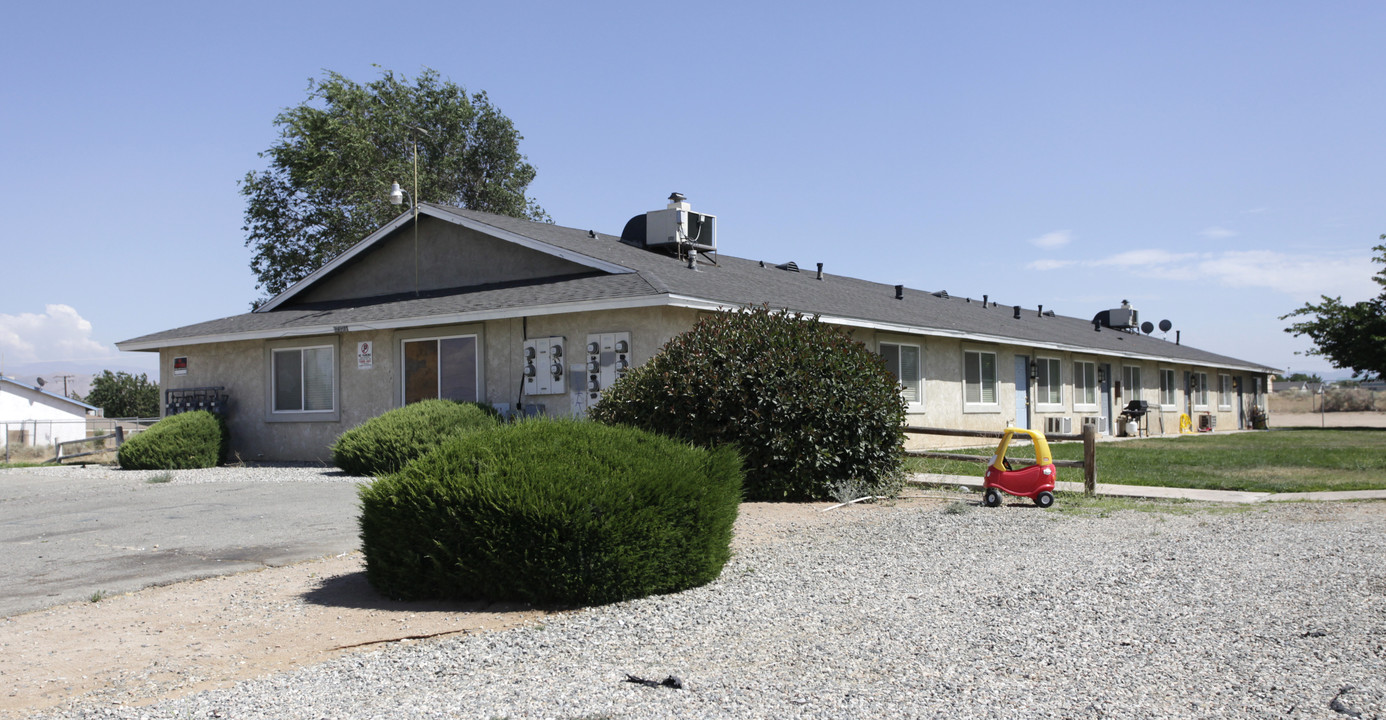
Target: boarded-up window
point(441, 368)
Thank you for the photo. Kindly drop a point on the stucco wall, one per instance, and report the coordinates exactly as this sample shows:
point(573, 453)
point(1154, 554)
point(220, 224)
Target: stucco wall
point(243, 369)
point(449, 256)
point(42, 420)
point(258, 435)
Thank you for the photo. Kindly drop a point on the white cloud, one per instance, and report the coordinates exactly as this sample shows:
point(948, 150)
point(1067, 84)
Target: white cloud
point(1302, 277)
point(1217, 232)
point(59, 333)
point(1058, 238)
point(1051, 264)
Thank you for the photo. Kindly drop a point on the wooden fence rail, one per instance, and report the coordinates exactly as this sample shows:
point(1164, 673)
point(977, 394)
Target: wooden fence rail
point(119, 436)
point(1088, 463)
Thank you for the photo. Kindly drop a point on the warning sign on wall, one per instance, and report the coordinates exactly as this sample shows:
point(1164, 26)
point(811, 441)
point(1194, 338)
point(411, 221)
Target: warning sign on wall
point(365, 357)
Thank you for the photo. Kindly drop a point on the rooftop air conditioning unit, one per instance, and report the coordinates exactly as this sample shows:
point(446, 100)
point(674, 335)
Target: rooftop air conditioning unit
point(1124, 317)
point(678, 225)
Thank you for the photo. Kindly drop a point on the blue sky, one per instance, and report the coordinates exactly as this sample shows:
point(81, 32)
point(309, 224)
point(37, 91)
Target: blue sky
point(1217, 164)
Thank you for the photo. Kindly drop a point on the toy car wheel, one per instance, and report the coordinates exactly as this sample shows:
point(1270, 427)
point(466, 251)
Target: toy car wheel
point(1044, 499)
point(992, 498)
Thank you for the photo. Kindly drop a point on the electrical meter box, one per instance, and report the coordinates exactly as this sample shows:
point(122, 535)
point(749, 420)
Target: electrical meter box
point(608, 360)
point(545, 367)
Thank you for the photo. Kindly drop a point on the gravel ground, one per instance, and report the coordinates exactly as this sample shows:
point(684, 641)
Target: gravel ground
point(1274, 612)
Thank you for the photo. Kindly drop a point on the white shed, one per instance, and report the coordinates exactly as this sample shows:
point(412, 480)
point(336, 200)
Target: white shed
point(33, 416)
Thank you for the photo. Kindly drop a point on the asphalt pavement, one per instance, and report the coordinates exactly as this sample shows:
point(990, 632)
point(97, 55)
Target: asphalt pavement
point(68, 534)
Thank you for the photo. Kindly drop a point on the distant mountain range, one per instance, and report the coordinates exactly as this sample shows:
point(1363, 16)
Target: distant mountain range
point(75, 376)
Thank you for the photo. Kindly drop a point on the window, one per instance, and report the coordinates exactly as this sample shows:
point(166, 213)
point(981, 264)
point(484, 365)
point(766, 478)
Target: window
point(1200, 390)
point(303, 381)
point(1224, 392)
point(1049, 382)
point(443, 368)
point(1131, 381)
point(903, 361)
point(1084, 383)
point(1167, 391)
point(979, 378)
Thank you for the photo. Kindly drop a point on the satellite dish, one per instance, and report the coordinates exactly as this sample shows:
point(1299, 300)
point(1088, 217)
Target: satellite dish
point(1147, 327)
point(41, 382)
point(1165, 325)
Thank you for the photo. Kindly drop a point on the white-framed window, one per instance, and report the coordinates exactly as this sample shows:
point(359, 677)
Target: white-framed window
point(1168, 393)
point(1084, 384)
point(303, 380)
point(441, 367)
point(1200, 390)
point(1224, 392)
point(1049, 383)
point(979, 380)
point(1131, 382)
point(906, 363)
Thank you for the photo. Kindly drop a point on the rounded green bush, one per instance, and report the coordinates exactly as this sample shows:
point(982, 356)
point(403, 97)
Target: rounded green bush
point(388, 442)
point(553, 512)
point(809, 408)
point(178, 442)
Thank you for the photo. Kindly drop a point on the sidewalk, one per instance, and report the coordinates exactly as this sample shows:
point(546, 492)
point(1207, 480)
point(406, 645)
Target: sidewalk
point(1167, 493)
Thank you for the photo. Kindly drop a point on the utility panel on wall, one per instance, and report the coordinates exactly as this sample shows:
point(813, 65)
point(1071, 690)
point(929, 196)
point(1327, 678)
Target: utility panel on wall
point(544, 370)
point(608, 360)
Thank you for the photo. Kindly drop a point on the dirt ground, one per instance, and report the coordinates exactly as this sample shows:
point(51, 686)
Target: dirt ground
point(178, 639)
point(1333, 419)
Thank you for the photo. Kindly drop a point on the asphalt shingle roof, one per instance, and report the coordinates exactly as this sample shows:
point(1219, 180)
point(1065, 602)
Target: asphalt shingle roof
point(733, 282)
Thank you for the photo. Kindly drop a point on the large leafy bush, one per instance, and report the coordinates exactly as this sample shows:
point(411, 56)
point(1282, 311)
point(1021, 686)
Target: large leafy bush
point(551, 511)
point(809, 408)
point(178, 442)
point(388, 442)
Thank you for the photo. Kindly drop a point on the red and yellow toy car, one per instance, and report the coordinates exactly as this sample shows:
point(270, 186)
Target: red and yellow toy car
point(1035, 482)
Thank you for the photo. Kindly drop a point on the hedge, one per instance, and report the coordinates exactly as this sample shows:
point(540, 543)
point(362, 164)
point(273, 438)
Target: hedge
point(388, 442)
point(178, 442)
point(551, 512)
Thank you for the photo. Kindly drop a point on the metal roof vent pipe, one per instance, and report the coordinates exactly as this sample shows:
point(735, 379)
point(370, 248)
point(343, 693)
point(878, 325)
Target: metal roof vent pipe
point(984, 301)
point(899, 292)
point(1017, 312)
point(1040, 312)
point(820, 271)
point(693, 260)
point(1176, 337)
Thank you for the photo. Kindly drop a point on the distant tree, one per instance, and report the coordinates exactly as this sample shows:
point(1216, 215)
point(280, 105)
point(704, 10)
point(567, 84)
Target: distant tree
point(338, 152)
point(1303, 377)
point(1350, 336)
point(122, 395)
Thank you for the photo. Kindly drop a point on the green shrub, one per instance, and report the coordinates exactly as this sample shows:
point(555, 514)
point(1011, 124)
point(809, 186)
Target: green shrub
point(551, 511)
point(388, 442)
point(808, 407)
point(178, 442)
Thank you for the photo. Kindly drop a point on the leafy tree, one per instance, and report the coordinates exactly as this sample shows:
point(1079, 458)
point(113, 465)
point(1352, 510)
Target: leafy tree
point(338, 152)
point(1304, 377)
point(124, 395)
point(1350, 336)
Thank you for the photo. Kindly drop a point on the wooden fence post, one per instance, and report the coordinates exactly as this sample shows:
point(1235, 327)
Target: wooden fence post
point(1090, 460)
point(120, 435)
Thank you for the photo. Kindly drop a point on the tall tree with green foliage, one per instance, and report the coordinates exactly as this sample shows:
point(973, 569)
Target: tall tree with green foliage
point(1350, 336)
point(122, 395)
point(339, 151)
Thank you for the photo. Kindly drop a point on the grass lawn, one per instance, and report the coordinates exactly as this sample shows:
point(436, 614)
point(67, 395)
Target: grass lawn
point(1293, 460)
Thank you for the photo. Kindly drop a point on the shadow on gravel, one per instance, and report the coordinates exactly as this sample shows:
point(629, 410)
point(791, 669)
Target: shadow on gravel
point(352, 590)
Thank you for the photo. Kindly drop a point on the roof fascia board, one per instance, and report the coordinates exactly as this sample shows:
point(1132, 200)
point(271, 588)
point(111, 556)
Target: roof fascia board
point(701, 304)
point(468, 223)
point(400, 323)
point(682, 301)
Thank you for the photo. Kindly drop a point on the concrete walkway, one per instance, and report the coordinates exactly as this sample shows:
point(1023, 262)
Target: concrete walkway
point(1167, 493)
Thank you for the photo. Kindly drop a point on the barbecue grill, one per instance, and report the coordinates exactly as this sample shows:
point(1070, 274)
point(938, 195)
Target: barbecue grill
point(1134, 412)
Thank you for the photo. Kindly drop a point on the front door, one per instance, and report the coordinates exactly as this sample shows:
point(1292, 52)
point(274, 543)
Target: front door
point(1104, 407)
point(1022, 391)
